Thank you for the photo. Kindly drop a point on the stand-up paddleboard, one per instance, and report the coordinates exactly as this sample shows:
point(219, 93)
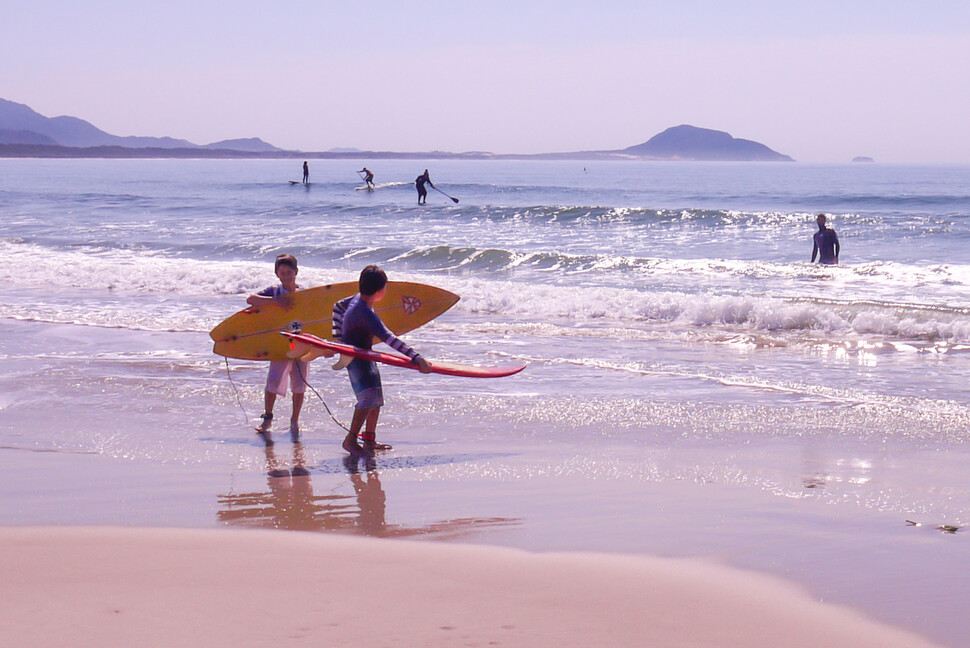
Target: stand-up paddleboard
point(381, 185)
point(253, 333)
point(293, 182)
point(309, 347)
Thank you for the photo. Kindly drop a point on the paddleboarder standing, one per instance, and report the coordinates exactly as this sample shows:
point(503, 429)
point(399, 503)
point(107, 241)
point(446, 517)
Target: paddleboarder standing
point(368, 176)
point(306, 173)
point(419, 182)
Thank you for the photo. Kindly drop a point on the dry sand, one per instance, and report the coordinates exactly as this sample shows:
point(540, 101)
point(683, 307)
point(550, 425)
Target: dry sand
point(97, 586)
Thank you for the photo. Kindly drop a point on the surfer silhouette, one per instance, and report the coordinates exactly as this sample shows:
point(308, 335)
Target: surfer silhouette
point(368, 176)
point(419, 183)
point(280, 371)
point(356, 323)
point(825, 243)
point(306, 173)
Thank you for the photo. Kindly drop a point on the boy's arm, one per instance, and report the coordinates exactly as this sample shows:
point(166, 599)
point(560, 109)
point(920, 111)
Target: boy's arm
point(268, 296)
point(339, 308)
point(377, 328)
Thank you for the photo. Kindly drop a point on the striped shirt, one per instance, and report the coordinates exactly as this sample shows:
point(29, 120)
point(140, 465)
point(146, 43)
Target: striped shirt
point(356, 323)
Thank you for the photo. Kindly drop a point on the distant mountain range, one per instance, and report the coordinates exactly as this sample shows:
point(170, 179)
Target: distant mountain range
point(26, 133)
point(19, 124)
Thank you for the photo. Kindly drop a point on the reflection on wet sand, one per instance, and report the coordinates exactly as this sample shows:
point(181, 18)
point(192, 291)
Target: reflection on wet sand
point(290, 504)
point(821, 469)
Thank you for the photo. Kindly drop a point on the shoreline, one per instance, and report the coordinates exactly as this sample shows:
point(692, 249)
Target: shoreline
point(103, 585)
point(868, 562)
point(824, 511)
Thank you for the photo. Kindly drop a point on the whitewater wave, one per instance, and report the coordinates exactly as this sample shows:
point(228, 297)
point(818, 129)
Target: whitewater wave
point(139, 269)
point(735, 313)
point(497, 297)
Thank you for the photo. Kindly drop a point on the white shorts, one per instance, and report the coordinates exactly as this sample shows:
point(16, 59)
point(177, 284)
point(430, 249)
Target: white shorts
point(279, 370)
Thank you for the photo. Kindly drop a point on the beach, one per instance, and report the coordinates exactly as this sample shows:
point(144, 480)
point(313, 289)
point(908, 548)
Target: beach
point(706, 448)
point(688, 510)
point(200, 588)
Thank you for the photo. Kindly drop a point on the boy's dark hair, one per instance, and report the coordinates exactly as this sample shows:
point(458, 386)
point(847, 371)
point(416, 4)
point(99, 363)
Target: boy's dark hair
point(285, 259)
point(372, 279)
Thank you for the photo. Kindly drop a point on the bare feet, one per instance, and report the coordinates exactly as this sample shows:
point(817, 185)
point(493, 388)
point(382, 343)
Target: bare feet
point(350, 445)
point(265, 422)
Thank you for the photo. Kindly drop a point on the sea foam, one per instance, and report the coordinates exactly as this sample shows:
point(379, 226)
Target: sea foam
point(682, 299)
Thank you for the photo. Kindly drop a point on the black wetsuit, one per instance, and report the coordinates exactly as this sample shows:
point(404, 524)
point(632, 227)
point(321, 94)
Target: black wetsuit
point(826, 246)
point(419, 183)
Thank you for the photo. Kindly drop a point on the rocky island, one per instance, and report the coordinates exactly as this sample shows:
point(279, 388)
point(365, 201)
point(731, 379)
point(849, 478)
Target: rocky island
point(686, 142)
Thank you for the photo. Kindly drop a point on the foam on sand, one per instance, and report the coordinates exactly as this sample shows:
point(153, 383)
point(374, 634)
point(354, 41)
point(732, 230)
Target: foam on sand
point(121, 586)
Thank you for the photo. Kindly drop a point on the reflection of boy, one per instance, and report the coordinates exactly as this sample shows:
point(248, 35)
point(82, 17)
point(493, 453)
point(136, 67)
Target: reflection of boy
point(356, 323)
point(294, 371)
point(372, 503)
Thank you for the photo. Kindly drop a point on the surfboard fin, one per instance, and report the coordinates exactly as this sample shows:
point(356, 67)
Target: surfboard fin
point(298, 349)
point(314, 354)
point(343, 361)
point(306, 353)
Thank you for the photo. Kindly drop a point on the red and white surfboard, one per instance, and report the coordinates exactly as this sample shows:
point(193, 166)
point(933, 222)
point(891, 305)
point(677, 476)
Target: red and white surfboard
point(308, 347)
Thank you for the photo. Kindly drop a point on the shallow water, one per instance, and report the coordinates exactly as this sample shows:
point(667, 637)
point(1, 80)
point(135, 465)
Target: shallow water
point(666, 301)
point(694, 387)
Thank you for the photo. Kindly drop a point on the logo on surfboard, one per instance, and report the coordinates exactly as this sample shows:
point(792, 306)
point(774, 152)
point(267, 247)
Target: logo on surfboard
point(410, 304)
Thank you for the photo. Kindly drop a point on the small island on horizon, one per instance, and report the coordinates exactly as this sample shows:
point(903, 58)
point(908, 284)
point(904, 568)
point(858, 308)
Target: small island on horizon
point(26, 133)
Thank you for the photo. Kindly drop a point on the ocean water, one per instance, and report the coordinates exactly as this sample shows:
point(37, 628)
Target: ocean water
point(665, 306)
point(695, 386)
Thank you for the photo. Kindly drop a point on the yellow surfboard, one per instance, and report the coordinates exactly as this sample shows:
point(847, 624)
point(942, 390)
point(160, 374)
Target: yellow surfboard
point(254, 333)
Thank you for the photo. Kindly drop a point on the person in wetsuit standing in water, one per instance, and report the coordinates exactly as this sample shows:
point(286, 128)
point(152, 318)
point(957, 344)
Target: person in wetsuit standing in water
point(826, 243)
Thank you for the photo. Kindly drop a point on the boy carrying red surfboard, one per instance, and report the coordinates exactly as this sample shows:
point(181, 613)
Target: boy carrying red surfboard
point(355, 323)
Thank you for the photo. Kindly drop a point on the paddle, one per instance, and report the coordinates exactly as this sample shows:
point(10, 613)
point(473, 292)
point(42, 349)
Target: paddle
point(443, 193)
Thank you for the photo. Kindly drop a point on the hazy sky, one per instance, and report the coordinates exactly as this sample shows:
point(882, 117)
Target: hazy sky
point(820, 81)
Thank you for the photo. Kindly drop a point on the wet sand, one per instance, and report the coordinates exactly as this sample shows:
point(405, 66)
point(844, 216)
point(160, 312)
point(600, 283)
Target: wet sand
point(884, 570)
point(93, 434)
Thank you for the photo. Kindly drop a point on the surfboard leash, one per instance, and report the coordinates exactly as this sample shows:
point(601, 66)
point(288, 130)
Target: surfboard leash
point(327, 407)
point(302, 377)
point(233, 383)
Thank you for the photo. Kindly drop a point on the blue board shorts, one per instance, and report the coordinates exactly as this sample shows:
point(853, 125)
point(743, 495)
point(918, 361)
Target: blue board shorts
point(366, 381)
